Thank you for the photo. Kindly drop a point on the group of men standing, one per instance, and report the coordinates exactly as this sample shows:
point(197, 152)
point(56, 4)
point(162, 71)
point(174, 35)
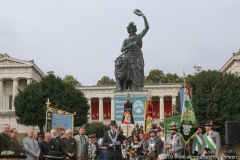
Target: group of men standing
point(82, 147)
point(32, 148)
point(201, 144)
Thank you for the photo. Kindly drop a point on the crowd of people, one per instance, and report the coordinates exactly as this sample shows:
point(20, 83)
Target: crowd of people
point(113, 146)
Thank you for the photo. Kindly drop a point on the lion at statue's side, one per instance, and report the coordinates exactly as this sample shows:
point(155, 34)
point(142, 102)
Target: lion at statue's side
point(121, 73)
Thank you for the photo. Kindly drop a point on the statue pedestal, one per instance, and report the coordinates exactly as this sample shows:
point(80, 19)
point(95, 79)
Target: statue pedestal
point(137, 98)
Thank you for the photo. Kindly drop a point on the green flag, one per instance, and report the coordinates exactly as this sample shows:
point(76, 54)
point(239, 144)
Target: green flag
point(168, 122)
point(188, 128)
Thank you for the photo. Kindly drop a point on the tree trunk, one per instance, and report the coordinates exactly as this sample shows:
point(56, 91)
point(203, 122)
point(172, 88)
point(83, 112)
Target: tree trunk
point(41, 129)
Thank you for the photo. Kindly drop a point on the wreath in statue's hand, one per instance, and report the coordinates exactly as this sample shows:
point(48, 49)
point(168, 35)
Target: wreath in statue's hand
point(138, 12)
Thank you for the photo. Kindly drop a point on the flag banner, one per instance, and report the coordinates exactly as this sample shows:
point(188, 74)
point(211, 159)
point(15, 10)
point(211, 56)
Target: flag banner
point(148, 117)
point(168, 122)
point(181, 93)
point(188, 128)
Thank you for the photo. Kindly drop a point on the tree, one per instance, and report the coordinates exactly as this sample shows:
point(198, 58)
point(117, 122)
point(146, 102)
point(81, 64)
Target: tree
point(30, 103)
point(215, 96)
point(69, 79)
point(96, 127)
point(106, 81)
point(156, 76)
point(1, 55)
point(172, 78)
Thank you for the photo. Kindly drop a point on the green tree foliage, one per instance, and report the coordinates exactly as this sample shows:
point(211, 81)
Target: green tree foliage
point(69, 79)
point(1, 55)
point(106, 81)
point(157, 76)
point(172, 78)
point(30, 104)
point(97, 128)
point(216, 96)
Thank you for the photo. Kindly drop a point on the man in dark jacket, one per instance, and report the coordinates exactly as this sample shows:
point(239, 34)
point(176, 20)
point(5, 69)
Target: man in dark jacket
point(46, 145)
point(114, 152)
point(91, 148)
point(56, 140)
point(16, 144)
point(5, 139)
point(69, 145)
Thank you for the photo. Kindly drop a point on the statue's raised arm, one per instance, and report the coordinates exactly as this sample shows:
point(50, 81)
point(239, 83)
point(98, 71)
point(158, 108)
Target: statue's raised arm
point(139, 13)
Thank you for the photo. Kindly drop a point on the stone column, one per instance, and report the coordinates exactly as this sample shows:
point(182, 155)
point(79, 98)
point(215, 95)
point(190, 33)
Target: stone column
point(15, 90)
point(1, 94)
point(112, 109)
point(173, 102)
point(29, 80)
point(161, 118)
point(100, 112)
point(90, 110)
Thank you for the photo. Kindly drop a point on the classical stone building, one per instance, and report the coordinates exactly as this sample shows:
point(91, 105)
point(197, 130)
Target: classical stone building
point(14, 74)
point(232, 65)
point(101, 100)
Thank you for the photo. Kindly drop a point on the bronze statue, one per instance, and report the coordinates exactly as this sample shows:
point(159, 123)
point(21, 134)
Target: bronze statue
point(132, 56)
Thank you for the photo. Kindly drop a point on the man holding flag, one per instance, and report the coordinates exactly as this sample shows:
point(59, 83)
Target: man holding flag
point(198, 143)
point(212, 141)
point(188, 128)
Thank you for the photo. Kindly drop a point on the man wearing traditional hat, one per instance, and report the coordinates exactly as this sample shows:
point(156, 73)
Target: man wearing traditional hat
point(174, 143)
point(91, 148)
point(211, 139)
point(153, 145)
point(125, 149)
point(197, 143)
point(110, 136)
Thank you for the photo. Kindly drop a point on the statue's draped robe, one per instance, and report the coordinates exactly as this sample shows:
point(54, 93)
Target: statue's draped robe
point(135, 72)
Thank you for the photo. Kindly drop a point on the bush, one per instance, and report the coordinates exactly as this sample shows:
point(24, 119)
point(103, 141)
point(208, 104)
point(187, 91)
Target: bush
point(97, 128)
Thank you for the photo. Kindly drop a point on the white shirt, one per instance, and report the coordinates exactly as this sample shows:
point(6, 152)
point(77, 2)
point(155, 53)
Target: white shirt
point(196, 148)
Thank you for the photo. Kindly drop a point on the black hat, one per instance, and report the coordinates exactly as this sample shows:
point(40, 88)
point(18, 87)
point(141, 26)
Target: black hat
point(12, 153)
point(124, 138)
point(173, 127)
point(113, 122)
point(91, 135)
point(209, 123)
point(54, 155)
point(199, 126)
point(152, 130)
point(154, 126)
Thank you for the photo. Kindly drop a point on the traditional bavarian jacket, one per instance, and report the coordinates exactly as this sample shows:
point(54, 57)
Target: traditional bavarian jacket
point(212, 140)
point(91, 151)
point(176, 143)
point(156, 143)
point(125, 148)
point(137, 148)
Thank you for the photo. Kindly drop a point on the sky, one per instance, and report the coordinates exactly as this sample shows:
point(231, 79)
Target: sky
point(83, 37)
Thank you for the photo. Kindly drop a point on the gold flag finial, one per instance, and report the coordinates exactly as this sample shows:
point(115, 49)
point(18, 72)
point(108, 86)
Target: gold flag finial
point(184, 79)
point(128, 95)
point(48, 104)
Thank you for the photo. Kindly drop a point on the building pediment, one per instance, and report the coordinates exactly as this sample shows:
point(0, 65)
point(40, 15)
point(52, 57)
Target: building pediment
point(10, 66)
point(8, 62)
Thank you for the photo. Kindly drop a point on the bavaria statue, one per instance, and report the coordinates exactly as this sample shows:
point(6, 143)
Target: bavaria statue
point(129, 66)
